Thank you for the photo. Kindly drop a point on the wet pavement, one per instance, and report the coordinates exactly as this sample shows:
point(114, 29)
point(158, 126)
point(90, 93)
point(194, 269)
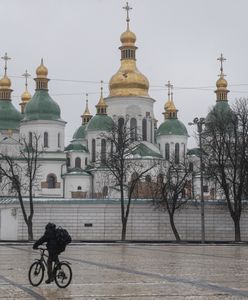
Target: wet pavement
point(133, 271)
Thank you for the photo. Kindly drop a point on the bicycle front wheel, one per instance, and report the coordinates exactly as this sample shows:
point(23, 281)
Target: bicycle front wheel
point(36, 273)
point(63, 275)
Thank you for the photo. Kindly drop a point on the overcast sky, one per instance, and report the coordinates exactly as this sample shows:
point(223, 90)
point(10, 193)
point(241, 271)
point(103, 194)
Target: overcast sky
point(178, 40)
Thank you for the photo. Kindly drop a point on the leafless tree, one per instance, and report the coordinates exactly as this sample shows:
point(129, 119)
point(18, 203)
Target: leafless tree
point(20, 174)
point(123, 166)
point(169, 192)
point(225, 141)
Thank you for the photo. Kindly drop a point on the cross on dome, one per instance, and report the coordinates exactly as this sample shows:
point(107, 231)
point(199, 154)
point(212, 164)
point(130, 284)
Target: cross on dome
point(169, 86)
point(5, 58)
point(221, 59)
point(26, 75)
point(127, 8)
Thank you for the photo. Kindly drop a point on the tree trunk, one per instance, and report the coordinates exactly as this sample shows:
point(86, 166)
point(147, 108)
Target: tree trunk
point(30, 229)
point(124, 228)
point(237, 230)
point(173, 227)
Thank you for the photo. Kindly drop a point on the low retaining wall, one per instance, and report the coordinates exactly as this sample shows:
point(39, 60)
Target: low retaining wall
point(100, 220)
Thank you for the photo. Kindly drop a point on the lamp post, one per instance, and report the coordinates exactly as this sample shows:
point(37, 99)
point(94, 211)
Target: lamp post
point(199, 122)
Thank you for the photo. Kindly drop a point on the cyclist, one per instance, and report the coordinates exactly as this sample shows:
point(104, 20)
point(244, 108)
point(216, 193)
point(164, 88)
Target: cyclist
point(53, 249)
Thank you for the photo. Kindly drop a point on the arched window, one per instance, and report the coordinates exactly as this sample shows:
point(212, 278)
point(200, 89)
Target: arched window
point(105, 191)
point(177, 153)
point(191, 167)
point(30, 139)
point(86, 161)
point(51, 181)
point(46, 139)
point(111, 148)
point(133, 129)
point(144, 129)
point(93, 150)
point(78, 162)
point(79, 188)
point(103, 151)
point(59, 142)
point(68, 161)
point(120, 129)
point(167, 151)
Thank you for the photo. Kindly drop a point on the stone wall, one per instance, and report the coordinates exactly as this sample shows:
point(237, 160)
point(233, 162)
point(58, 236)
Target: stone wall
point(98, 220)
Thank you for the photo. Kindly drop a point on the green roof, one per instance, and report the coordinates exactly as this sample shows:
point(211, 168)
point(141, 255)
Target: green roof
point(100, 122)
point(172, 127)
point(42, 107)
point(80, 133)
point(220, 108)
point(10, 117)
point(76, 147)
point(194, 151)
point(145, 151)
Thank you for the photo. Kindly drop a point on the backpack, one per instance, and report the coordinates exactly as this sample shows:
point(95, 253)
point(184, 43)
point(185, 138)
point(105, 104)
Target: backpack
point(63, 238)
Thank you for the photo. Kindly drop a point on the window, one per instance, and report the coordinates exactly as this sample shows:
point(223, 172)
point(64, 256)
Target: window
point(105, 191)
point(177, 153)
point(103, 151)
point(30, 139)
point(78, 162)
point(191, 166)
point(167, 151)
point(79, 188)
point(51, 181)
point(93, 150)
point(68, 161)
point(86, 161)
point(120, 130)
point(133, 128)
point(59, 142)
point(144, 130)
point(148, 178)
point(46, 139)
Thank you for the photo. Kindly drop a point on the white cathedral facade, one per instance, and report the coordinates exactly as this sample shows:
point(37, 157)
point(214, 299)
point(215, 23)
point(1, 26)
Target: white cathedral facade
point(71, 171)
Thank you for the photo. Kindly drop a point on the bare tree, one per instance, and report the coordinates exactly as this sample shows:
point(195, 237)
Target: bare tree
point(169, 192)
point(225, 141)
point(121, 163)
point(20, 174)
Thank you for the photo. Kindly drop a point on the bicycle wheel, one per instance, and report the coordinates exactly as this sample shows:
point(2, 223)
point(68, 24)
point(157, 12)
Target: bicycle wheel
point(36, 273)
point(63, 275)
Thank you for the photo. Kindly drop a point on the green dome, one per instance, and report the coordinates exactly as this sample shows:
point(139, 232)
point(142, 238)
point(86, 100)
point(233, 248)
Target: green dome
point(10, 117)
point(221, 108)
point(42, 107)
point(76, 147)
point(172, 127)
point(100, 122)
point(80, 133)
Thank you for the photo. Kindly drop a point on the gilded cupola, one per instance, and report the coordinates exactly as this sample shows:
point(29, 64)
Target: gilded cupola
point(221, 83)
point(101, 107)
point(26, 96)
point(86, 116)
point(41, 79)
point(170, 110)
point(5, 82)
point(128, 81)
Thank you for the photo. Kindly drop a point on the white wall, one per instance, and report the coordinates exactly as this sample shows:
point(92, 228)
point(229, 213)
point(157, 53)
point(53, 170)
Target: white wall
point(9, 226)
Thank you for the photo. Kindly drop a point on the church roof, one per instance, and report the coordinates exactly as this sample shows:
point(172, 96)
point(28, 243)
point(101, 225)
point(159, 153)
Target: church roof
point(100, 123)
point(10, 117)
point(80, 133)
point(172, 127)
point(76, 147)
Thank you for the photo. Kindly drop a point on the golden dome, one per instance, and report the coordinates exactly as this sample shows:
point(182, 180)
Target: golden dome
point(128, 38)
point(171, 107)
point(221, 82)
point(26, 96)
point(5, 82)
point(128, 81)
point(41, 71)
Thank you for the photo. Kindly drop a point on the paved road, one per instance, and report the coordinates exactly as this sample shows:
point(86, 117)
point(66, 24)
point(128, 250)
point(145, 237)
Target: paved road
point(133, 271)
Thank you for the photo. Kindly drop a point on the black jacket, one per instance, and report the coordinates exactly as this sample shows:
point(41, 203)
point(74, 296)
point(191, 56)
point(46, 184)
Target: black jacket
point(49, 238)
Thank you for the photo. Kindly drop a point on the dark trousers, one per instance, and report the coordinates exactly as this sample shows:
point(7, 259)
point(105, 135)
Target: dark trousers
point(50, 260)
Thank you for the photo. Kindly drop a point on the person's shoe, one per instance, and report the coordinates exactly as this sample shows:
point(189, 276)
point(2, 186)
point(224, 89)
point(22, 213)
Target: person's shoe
point(49, 280)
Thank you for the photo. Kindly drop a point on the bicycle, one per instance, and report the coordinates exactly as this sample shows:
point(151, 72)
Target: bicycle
point(61, 271)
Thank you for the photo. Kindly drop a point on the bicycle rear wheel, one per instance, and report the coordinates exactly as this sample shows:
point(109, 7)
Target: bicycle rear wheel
point(63, 275)
point(36, 273)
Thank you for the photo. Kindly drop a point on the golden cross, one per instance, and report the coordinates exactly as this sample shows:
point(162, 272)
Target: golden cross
point(221, 59)
point(101, 86)
point(127, 8)
point(26, 75)
point(5, 58)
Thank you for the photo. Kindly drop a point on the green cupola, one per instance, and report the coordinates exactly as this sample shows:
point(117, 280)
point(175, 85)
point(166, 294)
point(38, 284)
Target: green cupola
point(41, 106)
point(10, 117)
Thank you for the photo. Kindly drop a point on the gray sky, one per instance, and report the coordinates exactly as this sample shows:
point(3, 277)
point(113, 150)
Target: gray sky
point(178, 40)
